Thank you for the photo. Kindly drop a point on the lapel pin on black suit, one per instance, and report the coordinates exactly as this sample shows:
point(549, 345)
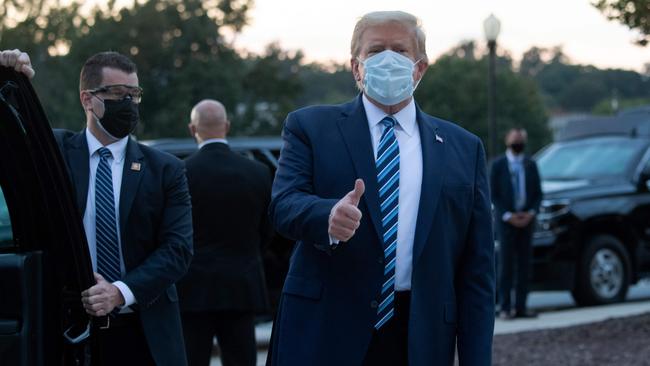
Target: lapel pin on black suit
point(136, 167)
point(439, 139)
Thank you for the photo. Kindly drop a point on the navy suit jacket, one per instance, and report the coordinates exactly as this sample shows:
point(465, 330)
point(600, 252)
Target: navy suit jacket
point(503, 196)
point(156, 235)
point(328, 306)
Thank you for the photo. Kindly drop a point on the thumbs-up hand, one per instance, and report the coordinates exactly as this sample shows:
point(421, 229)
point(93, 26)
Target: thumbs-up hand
point(345, 217)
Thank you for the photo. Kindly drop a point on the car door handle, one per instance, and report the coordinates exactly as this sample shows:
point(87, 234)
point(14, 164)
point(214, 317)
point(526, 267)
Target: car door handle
point(78, 339)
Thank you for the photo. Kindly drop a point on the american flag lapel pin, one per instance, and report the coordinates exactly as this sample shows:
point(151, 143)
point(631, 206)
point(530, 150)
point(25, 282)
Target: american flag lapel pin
point(136, 167)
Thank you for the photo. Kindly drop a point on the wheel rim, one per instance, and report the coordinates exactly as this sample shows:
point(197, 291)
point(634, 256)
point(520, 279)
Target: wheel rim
point(606, 272)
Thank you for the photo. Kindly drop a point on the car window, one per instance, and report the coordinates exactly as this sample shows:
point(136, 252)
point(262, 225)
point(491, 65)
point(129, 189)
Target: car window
point(588, 159)
point(6, 235)
point(247, 153)
point(265, 157)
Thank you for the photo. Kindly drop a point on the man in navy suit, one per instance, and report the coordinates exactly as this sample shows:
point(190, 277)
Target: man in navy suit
point(394, 260)
point(516, 194)
point(135, 206)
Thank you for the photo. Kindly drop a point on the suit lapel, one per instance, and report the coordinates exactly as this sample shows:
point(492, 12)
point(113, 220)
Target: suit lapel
point(433, 160)
point(353, 126)
point(134, 168)
point(78, 161)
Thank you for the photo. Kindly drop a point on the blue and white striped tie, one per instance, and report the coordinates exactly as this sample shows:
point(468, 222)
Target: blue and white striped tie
point(388, 180)
point(108, 252)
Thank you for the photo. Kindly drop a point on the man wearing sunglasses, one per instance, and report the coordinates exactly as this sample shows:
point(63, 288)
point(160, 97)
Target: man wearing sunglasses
point(135, 206)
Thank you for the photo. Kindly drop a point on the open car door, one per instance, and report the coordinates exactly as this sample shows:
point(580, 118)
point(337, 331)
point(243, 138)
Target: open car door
point(44, 258)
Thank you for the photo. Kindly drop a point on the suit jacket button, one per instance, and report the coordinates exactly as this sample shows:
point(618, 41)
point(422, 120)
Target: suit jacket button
point(374, 304)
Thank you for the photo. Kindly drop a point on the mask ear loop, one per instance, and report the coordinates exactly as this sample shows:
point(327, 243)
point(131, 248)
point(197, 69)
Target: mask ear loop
point(92, 110)
point(358, 77)
point(98, 120)
point(418, 82)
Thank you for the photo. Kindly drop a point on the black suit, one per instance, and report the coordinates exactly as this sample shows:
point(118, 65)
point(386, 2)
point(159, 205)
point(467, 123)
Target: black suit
point(156, 238)
point(225, 286)
point(515, 243)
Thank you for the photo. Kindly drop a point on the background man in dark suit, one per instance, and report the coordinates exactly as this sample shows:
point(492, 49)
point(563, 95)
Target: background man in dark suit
point(224, 287)
point(136, 212)
point(398, 270)
point(516, 194)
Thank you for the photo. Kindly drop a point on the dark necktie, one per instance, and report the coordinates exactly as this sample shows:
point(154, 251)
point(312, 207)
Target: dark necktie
point(388, 180)
point(516, 185)
point(108, 252)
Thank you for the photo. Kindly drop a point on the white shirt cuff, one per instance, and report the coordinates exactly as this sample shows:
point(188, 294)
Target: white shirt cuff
point(333, 241)
point(129, 299)
point(506, 216)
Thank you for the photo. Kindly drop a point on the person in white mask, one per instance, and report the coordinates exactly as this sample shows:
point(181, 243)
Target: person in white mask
point(394, 259)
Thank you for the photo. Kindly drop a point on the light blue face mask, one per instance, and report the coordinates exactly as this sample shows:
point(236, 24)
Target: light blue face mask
point(388, 77)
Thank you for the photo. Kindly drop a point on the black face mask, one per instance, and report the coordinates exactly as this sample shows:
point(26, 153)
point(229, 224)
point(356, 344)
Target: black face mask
point(517, 148)
point(120, 117)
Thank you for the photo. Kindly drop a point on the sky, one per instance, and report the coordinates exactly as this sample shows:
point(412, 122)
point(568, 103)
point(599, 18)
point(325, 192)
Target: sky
point(322, 29)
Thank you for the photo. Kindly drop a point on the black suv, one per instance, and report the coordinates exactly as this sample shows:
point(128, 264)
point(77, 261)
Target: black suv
point(267, 151)
point(593, 229)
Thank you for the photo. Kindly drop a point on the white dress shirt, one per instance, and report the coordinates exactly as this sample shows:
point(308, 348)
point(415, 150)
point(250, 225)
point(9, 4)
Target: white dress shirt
point(210, 141)
point(410, 181)
point(516, 160)
point(118, 150)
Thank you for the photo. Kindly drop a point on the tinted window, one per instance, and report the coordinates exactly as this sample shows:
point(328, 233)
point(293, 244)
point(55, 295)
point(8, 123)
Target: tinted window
point(588, 159)
point(6, 235)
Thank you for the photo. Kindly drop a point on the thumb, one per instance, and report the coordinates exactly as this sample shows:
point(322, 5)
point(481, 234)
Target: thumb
point(355, 195)
point(99, 278)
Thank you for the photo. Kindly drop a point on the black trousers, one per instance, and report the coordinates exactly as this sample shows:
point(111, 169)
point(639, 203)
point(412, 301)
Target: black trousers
point(235, 332)
point(515, 254)
point(389, 344)
point(123, 343)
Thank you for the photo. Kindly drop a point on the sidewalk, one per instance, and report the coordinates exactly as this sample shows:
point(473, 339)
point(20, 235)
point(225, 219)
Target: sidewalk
point(545, 320)
point(571, 317)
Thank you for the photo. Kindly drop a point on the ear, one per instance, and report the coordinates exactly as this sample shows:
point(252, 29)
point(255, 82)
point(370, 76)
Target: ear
point(86, 100)
point(420, 68)
point(192, 129)
point(356, 73)
point(227, 127)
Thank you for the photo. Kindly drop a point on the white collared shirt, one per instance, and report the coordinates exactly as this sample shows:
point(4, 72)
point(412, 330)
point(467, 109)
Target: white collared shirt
point(118, 150)
point(210, 141)
point(410, 181)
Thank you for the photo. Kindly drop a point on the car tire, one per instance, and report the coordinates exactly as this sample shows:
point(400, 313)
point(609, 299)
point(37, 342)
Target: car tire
point(602, 272)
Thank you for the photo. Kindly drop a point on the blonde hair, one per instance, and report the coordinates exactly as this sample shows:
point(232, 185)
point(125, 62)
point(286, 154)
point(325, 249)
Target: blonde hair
point(383, 17)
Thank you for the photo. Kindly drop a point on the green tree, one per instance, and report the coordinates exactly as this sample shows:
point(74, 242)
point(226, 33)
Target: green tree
point(326, 84)
point(271, 85)
point(579, 88)
point(633, 13)
point(609, 107)
point(178, 46)
point(455, 88)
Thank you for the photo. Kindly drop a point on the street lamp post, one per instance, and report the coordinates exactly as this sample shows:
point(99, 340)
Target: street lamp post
point(492, 27)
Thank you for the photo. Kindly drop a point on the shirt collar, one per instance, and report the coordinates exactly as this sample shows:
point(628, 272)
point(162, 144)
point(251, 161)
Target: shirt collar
point(117, 148)
point(405, 117)
point(210, 141)
point(512, 158)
